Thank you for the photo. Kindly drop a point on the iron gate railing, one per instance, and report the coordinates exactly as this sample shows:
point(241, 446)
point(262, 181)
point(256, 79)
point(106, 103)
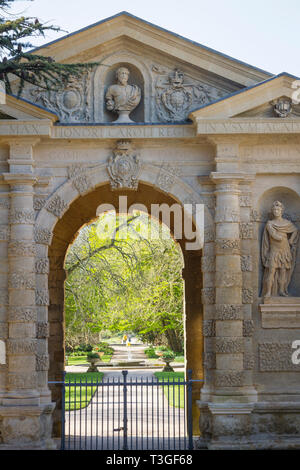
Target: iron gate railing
point(127, 413)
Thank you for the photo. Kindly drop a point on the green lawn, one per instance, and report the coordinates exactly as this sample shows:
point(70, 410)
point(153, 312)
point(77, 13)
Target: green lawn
point(78, 397)
point(82, 360)
point(173, 393)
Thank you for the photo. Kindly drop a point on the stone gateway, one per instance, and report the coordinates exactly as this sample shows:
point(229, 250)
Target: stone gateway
point(160, 120)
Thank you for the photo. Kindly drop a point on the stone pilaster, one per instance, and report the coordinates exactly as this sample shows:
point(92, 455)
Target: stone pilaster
point(4, 239)
point(230, 401)
point(22, 399)
point(229, 341)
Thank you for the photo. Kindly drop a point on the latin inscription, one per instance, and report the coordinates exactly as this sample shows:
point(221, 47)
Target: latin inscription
point(122, 132)
point(234, 127)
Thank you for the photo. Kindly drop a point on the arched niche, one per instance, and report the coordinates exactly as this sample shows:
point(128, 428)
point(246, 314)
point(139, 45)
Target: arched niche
point(105, 76)
point(291, 201)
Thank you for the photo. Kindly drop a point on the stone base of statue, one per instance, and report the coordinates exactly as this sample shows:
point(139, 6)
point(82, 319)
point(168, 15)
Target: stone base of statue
point(280, 312)
point(123, 117)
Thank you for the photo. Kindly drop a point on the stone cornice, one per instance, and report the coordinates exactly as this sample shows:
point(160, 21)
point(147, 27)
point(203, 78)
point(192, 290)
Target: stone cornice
point(216, 130)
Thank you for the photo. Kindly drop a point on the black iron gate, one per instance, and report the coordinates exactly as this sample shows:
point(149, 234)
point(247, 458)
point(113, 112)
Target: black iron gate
point(127, 413)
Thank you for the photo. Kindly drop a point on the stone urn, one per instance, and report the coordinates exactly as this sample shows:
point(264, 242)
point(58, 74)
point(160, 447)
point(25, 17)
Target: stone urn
point(93, 359)
point(166, 358)
point(167, 367)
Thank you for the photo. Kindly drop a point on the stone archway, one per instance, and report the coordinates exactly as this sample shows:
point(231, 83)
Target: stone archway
point(63, 223)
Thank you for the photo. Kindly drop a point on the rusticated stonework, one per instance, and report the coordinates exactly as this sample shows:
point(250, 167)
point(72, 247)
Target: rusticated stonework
point(22, 217)
point(245, 201)
point(42, 362)
point(80, 180)
point(22, 314)
point(42, 330)
point(166, 177)
point(248, 327)
point(225, 246)
point(246, 263)
point(208, 295)
point(42, 266)
point(42, 236)
point(22, 280)
point(229, 312)
point(18, 248)
point(249, 361)
point(56, 206)
point(39, 202)
point(276, 356)
point(246, 230)
point(209, 234)
point(4, 233)
point(21, 346)
point(42, 297)
point(247, 295)
point(4, 297)
point(208, 264)
point(228, 279)
point(229, 379)
point(229, 345)
point(209, 328)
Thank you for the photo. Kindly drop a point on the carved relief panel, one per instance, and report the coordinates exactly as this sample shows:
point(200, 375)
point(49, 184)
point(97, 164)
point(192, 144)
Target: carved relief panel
point(73, 104)
point(176, 94)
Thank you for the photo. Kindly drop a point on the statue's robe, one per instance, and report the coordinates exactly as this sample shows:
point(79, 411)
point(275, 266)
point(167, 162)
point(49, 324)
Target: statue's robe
point(125, 98)
point(277, 252)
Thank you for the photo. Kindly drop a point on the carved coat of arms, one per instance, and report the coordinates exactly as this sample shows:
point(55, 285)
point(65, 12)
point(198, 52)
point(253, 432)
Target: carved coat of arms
point(175, 98)
point(72, 104)
point(283, 107)
point(123, 167)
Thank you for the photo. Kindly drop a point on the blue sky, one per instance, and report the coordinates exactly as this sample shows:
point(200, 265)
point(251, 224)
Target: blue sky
point(263, 33)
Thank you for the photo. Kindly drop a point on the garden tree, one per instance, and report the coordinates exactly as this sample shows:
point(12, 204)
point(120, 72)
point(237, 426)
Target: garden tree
point(125, 282)
point(16, 63)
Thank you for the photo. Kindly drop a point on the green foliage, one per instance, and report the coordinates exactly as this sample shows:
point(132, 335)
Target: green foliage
point(17, 62)
point(77, 397)
point(104, 347)
point(150, 353)
point(92, 355)
point(168, 355)
point(120, 280)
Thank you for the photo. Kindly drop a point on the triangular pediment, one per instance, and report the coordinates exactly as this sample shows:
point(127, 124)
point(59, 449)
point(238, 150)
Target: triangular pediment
point(88, 43)
point(275, 97)
point(20, 109)
point(154, 58)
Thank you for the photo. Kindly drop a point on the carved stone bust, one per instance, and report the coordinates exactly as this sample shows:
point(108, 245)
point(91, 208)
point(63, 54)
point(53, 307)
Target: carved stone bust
point(279, 245)
point(122, 98)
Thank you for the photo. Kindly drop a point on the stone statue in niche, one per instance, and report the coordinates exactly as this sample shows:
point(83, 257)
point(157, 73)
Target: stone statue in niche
point(122, 98)
point(279, 245)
